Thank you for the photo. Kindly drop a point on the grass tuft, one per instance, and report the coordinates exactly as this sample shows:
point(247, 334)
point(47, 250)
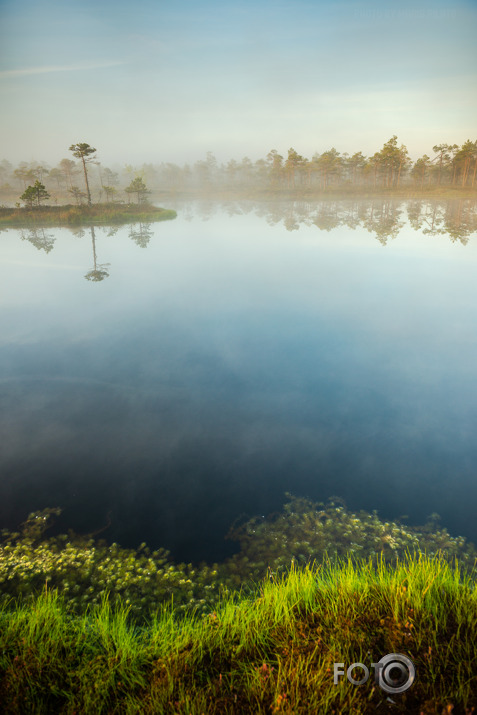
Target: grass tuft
point(272, 653)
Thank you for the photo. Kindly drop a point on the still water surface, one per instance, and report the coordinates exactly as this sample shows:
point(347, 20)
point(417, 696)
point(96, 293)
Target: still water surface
point(209, 364)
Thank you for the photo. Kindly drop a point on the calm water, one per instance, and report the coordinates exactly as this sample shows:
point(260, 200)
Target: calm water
point(211, 363)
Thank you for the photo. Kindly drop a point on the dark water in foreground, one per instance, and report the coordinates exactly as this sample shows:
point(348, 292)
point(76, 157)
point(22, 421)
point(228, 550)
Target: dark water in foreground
point(236, 353)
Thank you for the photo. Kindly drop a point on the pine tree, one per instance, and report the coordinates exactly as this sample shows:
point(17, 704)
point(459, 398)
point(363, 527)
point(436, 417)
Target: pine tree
point(84, 151)
point(35, 194)
point(138, 187)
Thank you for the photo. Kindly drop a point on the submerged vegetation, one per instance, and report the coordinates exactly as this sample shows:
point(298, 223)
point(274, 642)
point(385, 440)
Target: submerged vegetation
point(85, 570)
point(93, 628)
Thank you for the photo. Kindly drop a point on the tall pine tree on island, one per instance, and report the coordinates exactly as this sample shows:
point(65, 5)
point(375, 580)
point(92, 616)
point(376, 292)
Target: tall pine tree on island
point(84, 152)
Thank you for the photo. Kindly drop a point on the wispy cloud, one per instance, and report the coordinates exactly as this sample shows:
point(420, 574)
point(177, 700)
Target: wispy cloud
point(59, 68)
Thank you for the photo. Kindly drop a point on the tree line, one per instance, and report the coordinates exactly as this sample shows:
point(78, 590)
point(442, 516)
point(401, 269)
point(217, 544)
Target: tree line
point(389, 168)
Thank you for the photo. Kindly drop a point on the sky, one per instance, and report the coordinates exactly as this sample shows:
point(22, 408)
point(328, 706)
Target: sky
point(155, 81)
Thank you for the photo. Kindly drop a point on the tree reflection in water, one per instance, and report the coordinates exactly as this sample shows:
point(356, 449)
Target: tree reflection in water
point(99, 272)
point(384, 218)
point(140, 233)
point(38, 238)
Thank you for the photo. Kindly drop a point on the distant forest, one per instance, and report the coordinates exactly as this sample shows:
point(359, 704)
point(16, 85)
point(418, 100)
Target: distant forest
point(388, 169)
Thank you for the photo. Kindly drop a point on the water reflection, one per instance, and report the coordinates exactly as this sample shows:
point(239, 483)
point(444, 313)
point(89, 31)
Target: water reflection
point(140, 233)
point(382, 218)
point(99, 272)
point(238, 362)
point(39, 238)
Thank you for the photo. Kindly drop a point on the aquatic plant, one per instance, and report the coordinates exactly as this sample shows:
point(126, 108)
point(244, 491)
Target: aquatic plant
point(306, 531)
point(85, 570)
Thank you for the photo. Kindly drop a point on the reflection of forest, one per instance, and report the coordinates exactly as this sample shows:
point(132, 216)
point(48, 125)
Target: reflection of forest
point(384, 218)
point(139, 232)
point(456, 218)
point(39, 238)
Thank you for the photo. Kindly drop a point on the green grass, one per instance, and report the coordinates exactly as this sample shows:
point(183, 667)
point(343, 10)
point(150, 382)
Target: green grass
point(85, 569)
point(88, 627)
point(272, 653)
point(78, 215)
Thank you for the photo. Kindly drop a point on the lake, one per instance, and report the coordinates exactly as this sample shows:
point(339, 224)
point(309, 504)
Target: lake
point(164, 380)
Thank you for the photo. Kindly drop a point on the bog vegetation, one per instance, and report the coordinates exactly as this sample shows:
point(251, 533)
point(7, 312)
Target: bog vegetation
point(86, 570)
point(89, 627)
point(447, 168)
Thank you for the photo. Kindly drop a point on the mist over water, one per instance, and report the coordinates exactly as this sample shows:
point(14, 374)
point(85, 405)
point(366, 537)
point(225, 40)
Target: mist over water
point(231, 355)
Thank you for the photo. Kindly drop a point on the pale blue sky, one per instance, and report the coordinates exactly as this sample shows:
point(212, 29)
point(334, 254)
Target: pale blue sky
point(168, 81)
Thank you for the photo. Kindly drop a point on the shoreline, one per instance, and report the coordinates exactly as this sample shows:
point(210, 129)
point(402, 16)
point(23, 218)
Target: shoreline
point(69, 215)
point(313, 194)
point(272, 651)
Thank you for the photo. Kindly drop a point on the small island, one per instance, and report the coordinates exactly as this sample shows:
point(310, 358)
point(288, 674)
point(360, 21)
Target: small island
point(110, 212)
point(69, 215)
